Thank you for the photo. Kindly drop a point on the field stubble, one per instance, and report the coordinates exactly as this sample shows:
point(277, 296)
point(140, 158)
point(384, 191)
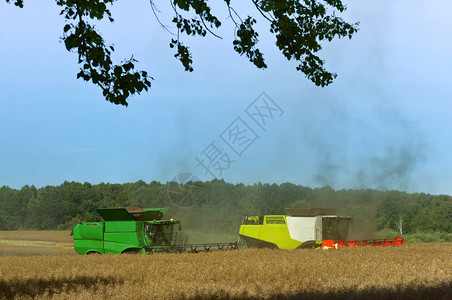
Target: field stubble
point(407, 272)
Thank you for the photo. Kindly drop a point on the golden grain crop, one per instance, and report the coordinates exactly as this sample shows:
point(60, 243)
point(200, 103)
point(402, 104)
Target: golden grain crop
point(406, 272)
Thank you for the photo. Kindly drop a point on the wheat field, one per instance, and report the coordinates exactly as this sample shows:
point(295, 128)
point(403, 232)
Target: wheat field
point(421, 271)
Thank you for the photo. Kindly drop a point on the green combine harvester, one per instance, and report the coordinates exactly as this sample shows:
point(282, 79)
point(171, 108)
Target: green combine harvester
point(135, 230)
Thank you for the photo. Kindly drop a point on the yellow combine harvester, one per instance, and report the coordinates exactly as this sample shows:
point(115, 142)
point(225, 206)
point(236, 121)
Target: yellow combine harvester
point(303, 228)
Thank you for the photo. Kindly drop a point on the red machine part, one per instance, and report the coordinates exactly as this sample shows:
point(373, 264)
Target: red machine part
point(359, 243)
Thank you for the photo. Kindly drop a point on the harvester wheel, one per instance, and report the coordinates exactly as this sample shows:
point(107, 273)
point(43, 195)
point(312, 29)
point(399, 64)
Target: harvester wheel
point(307, 245)
point(131, 251)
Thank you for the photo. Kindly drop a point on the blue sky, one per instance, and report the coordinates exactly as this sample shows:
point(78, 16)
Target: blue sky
point(384, 123)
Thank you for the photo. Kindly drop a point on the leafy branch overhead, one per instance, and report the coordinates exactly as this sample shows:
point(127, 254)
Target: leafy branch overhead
point(299, 28)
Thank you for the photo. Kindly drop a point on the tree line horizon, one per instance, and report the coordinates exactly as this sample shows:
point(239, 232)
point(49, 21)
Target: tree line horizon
point(218, 206)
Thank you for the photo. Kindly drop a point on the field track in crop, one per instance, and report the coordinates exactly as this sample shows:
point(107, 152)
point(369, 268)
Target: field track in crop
point(421, 271)
point(61, 236)
point(27, 243)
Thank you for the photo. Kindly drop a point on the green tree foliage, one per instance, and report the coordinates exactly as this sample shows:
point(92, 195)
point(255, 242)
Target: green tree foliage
point(299, 27)
point(14, 211)
point(388, 213)
point(220, 206)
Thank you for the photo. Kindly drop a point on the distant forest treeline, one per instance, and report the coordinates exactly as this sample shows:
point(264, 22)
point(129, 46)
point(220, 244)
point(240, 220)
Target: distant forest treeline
point(218, 206)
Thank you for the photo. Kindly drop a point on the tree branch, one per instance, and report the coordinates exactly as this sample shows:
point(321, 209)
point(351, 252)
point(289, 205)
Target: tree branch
point(155, 10)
